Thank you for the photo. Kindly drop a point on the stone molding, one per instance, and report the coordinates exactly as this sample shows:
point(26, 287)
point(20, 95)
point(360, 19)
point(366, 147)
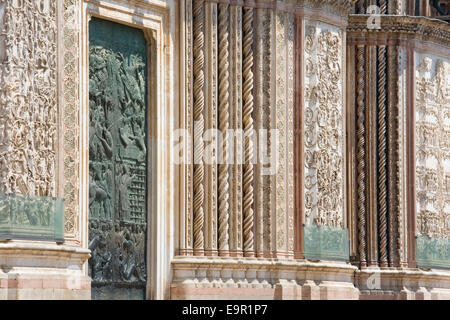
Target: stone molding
point(241, 278)
point(395, 28)
point(294, 6)
point(41, 253)
point(231, 278)
point(402, 284)
point(30, 270)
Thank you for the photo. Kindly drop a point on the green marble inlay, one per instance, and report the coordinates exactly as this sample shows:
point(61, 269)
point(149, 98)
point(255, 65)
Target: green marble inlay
point(433, 253)
point(30, 217)
point(326, 243)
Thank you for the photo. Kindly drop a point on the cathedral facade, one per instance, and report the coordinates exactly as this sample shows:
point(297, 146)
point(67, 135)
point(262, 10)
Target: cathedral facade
point(226, 149)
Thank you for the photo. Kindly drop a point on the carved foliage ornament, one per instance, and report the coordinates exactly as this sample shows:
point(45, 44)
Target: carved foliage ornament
point(323, 127)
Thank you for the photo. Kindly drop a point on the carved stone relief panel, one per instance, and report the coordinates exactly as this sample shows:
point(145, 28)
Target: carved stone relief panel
point(28, 91)
point(433, 146)
point(323, 126)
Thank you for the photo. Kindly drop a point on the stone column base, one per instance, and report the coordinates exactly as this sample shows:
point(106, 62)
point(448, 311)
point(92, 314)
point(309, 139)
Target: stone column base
point(403, 284)
point(261, 279)
point(42, 271)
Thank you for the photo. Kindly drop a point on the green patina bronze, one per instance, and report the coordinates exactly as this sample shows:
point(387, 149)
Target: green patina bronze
point(31, 217)
point(117, 160)
point(326, 243)
point(433, 253)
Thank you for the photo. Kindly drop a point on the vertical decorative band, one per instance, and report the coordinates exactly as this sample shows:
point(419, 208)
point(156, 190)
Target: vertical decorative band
point(361, 154)
point(224, 123)
point(267, 99)
point(259, 124)
point(248, 129)
point(382, 155)
point(382, 147)
point(400, 83)
point(199, 104)
point(393, 156)
point(71, 100)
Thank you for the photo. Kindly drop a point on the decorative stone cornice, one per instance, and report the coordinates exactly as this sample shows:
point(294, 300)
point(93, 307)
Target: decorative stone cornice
point(335, 6)
point(41, 253)
point(403, 27)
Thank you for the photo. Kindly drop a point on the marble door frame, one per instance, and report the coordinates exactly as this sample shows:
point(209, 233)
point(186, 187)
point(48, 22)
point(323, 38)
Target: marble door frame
point(155, 18)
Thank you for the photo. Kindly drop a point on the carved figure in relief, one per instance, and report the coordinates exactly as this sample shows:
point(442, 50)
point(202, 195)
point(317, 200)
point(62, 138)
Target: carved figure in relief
point(30, 97)
point(124, 183)
point(98, 192)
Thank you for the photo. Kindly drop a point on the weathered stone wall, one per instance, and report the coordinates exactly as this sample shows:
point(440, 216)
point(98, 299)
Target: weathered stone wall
point(360, 145)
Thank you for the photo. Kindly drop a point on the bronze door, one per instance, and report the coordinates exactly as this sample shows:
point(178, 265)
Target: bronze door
point(117, 160)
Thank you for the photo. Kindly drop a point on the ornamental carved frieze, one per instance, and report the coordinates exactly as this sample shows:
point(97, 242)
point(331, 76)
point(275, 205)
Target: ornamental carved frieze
point(433, 146)
point(399, 27)
point(28, 97)
point(323, 126)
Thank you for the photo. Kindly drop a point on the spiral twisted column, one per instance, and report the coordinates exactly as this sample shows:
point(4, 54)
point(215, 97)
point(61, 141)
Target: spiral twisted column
point(199, 124)
point(224, 124)
point(382, 155)
point(383, 6)
point(248, 130)
point(382, 147)
point(393, 150)
point(361, 154)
